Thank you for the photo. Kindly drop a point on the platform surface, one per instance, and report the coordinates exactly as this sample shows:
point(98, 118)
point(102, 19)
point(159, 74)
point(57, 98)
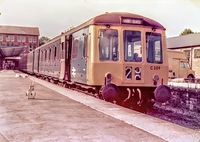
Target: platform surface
point(62, 115)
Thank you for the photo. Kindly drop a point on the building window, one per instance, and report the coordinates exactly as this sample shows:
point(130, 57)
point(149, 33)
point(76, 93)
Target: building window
point(1, 37)
point(197, 53)
point(11, 37)
point(23, 38)
point(34, 38)
point(30, 39)
point(7, 37)
point(19, 38)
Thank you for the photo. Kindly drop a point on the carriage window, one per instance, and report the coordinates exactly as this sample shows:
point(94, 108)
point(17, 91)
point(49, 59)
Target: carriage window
point(55, 53)
point(108, 45)
point(132, 46)
point(154, 48)
point(75, 45)
point(63, 50)
point(85, 46)
point(50, 54)
point(85, 41)
point(45, 55)
point(58, 51)
point(40, 57)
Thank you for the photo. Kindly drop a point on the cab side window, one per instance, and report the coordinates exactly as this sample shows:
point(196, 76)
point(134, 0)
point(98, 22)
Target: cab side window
point(154, 48)
point(108, 45)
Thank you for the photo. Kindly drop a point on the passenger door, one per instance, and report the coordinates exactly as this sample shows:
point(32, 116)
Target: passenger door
point(68, 45)
point(79, 56)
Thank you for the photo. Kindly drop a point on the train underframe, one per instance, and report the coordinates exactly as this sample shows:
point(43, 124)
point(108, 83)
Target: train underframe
point(136, 98)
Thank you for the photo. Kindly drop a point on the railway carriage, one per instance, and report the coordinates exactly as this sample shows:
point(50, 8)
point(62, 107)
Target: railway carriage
point(48, 58)
point(119, 57)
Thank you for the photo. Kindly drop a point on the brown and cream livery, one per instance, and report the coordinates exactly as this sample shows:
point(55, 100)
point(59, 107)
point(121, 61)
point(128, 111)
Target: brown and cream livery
point(120, 57)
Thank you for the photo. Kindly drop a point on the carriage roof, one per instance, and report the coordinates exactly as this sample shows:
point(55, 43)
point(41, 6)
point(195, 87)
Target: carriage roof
point(115, 18)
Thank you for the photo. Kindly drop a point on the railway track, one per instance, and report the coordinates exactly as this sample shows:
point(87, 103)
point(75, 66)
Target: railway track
point(183, 117)
point(185, 95)
point(184, 106)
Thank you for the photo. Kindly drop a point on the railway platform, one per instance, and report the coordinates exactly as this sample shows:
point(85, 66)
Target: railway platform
point(57, 114)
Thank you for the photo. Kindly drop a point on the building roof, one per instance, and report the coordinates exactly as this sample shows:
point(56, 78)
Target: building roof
point(190, 40)
point(19, 30)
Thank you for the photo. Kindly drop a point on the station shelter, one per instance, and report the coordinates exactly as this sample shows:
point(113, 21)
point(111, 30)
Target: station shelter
point(15, 40)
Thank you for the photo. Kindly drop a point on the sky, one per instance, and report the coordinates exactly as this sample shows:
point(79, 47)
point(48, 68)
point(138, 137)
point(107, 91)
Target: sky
point(56, 16)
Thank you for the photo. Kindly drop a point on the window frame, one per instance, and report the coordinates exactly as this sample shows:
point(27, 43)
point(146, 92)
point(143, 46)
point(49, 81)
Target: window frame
point(149, 41)
point(1, 37)
point(112, 49)
point(130, 46)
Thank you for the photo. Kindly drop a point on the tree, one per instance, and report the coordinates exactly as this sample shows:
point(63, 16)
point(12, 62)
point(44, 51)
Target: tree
point(186, 31)
point(43, 40)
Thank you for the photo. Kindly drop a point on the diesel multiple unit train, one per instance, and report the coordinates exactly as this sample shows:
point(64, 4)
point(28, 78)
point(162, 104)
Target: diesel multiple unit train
point(119, 57)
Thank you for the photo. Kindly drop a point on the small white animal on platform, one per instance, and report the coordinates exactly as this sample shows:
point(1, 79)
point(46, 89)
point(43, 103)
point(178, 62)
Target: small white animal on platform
point(21, 75)
point(30, 93)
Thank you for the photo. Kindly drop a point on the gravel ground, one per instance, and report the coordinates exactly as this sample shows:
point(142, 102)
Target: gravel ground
point(178, 116)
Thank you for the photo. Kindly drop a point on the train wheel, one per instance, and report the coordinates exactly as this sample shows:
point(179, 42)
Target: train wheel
point(162, 93)
point(110, 93)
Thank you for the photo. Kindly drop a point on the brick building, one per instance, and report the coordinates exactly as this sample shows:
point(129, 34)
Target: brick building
point(14, 40)
point(190, 44)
